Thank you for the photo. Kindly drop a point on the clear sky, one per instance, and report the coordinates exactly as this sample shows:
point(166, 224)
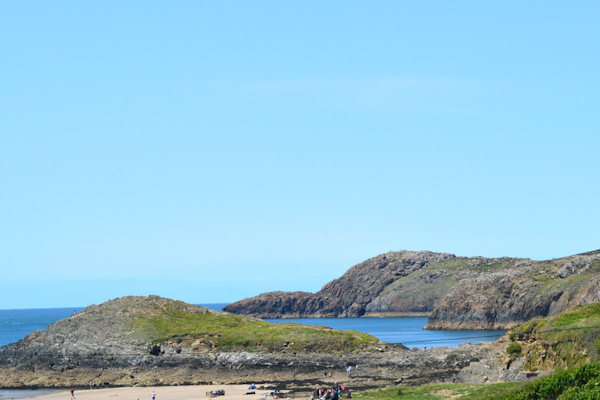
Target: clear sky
point(210, 151)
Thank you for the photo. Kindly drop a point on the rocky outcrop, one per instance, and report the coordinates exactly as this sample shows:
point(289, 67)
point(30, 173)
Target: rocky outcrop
point(507, 298)
point(107, 344)
point(355, 294)
point(456, 292)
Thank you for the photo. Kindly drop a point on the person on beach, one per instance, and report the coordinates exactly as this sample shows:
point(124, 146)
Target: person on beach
point(153, 395)
point(72, 393)
point(91, 384)
point(349, 370)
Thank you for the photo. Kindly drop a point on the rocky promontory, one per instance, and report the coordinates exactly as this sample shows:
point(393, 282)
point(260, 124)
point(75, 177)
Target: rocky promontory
point(456, 292)
point(156, 341)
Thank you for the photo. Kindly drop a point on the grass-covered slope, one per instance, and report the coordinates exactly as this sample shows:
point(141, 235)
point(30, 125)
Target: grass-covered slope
point(440, 391)
point(582, 383)
point(175, 321)
point(565, 340)
point(132, 327)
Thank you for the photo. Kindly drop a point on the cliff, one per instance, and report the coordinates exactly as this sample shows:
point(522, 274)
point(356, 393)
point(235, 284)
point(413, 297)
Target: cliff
point(456, 292)
point(156, 341)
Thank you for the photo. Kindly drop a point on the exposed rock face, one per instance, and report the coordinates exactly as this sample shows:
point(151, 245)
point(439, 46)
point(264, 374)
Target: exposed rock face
point(457, 292)
point(356, 292)
point(103, 344)
point(504, 299)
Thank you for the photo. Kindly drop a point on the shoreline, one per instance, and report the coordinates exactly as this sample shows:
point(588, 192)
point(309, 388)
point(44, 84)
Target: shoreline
point(187, 392)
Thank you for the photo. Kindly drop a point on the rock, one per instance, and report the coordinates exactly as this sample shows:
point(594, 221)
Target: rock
point(105, 344)
point(456, 292)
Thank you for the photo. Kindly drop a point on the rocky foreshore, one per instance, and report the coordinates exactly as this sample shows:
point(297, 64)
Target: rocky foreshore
point(139, 341)
point(456, 292)
point(391, 366)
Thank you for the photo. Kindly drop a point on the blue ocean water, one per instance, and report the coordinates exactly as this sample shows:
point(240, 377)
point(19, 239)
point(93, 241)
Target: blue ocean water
point(214, 306)
point(16, 324)
point(406, 330)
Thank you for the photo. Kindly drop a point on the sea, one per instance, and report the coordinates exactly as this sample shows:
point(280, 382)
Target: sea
point(16, 324)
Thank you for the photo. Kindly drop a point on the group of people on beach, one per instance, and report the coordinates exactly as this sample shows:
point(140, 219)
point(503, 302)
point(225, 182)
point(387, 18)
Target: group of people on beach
point(334, 393)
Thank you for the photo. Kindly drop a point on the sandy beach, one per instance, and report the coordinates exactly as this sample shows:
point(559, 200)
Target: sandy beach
point(232, 392)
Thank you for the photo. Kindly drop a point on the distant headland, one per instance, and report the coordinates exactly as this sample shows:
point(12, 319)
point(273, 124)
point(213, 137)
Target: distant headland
point(455, 292)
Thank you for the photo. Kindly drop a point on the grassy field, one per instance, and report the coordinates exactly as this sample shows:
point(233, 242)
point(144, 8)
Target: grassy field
point(180, 323)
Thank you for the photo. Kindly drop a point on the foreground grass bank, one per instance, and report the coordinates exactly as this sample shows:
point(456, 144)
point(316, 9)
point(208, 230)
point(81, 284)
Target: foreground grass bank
point(581, 383)
point(464, 391)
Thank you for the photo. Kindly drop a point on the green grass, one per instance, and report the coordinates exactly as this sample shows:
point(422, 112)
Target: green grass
point(176, 322)
point(464, 391)
point(582, 383)
point(566, 340)
point(514, 348)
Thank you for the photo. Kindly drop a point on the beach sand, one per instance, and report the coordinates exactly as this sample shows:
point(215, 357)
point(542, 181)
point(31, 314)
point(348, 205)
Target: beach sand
point(232, 392)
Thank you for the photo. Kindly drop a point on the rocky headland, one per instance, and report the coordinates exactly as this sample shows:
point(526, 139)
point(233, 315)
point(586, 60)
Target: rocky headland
point(455, 292)
point(152, 341)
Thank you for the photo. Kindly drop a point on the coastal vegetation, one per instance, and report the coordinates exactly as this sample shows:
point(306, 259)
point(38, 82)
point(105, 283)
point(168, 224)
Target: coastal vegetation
point(566, 340)
point(439, 391)
point(581, 383)
point(177, 322)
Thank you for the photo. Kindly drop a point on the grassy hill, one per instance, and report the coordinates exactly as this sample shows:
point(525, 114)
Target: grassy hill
point(177, 322)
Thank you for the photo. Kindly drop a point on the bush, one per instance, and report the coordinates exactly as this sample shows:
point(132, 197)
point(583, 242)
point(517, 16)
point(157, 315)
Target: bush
point(579, 384)
point(514, 348)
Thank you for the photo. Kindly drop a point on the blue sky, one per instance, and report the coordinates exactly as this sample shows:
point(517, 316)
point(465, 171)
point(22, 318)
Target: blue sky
point(210, 151)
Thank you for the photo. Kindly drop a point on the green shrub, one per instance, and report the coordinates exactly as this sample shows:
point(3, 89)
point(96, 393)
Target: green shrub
point(514, 348)
point(582, 383)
